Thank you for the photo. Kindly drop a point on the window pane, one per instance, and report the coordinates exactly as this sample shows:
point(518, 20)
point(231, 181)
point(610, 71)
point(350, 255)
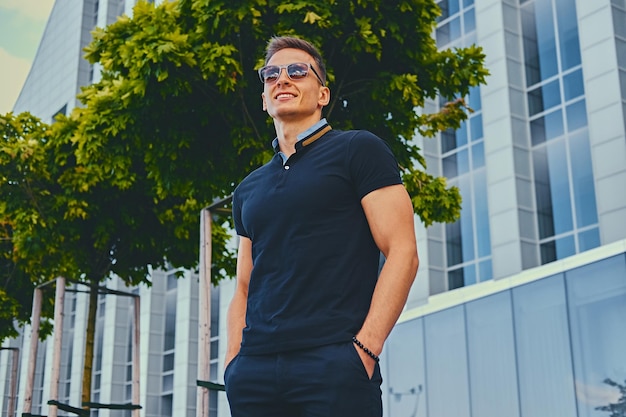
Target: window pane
point(582, 180)
point(469, 20)
point(565, 247)
point(597, 303)
point(478, 156)
point(546, 382)
point(573, 85)
point(485, 270)
point(491, 348)
point(588, 240)
point(559, 187)
point(404, 360)
point(483, 238)
point(547, 127)
point(576, 115)
point(568, 33)
point(446, 363)
point(476, 124)
point(474, 98)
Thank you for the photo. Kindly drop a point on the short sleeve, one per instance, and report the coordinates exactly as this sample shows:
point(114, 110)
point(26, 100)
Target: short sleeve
point(371, 163)
point(237, 215)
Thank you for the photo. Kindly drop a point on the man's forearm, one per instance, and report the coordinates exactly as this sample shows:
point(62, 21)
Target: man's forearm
point(235, 322)
point(389, 298)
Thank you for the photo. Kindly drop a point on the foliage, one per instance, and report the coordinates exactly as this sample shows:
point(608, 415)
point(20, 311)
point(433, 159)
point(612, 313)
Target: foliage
point(617, 409)
point(175, 122)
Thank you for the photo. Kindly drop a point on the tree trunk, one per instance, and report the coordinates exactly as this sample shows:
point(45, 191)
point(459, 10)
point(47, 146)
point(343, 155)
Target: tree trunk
point(89, 343)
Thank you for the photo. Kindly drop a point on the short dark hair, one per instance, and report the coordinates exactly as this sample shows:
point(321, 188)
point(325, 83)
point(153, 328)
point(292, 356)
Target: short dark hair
point(277, 43)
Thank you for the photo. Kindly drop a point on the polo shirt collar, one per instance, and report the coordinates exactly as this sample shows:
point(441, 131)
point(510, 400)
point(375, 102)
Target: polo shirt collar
point(305, 138)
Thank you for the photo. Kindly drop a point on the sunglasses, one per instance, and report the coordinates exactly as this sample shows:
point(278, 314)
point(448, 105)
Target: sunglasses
point(296, 71)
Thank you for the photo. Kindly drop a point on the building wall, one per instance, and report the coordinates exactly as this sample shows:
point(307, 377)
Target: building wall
point(541, 343)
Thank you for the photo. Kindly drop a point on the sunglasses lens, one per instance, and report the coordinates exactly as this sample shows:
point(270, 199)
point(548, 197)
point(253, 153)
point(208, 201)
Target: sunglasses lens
point(297, 71)
point(270, 73)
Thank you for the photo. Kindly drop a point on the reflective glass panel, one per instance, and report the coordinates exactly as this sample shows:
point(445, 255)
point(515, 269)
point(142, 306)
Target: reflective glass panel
point(582, 180)
point(446, 363)
point(546, 383)
point(476, 124)
point(547, 127)
point(483, 239)
point(576, 116)
point(565, 246)
point(588, 239)
point(559, 187)
point(568, 33)
point(478, 156)
point(573, 85)
point(404, 370)
point(597, 303)
point(469, 20)
point(485, 270)
point(491, 352)
point(474, 98)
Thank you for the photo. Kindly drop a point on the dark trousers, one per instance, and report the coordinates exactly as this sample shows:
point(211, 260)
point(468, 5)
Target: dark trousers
point(326, 381)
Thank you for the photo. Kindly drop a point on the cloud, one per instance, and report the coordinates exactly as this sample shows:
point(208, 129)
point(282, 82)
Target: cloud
point(14, 73)
point(33, 9)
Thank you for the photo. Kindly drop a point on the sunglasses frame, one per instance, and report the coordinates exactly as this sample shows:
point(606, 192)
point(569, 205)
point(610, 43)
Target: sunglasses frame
point(286, 67)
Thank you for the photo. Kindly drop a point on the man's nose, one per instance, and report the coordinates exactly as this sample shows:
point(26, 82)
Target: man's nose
point(282, 76)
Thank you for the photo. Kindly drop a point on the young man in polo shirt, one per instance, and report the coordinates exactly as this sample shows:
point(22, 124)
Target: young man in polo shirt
point(310, 313)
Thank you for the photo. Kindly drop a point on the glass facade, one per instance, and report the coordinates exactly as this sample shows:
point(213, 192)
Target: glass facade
point(552, 347)
point(462, 155)
point(567, 217)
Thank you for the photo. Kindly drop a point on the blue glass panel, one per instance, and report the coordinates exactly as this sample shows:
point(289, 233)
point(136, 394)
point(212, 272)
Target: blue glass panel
point(568, 33)
point(573, 85)
point(469, 274)
point(582, 180)
point(454, 243)
point(547, 127)
point(455, 279)
point(448, 140)
point(565, 246)
point(597, 306)
point(469, 20)
point(546, 42)
point(559, 187)
point(548, 252)
point(588, 239)
point(478, 155)
point(483, 239)
point(485, 270)
point(448, 32)
point(461, 134)
point(446, 363)
point(449, 166)
point(474, 99)
point(542, 193)
point(467, 3)
point(554, 124)
point(531, 52)
point(544, 97)
point(402, 366)
point(467, 224)
point(463, 161)
point(544, 364)
point(476, 125)
point(576, 115)
point(491, 353)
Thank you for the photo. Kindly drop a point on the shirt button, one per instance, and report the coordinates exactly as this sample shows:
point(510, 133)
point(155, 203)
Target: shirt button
point(286, 166)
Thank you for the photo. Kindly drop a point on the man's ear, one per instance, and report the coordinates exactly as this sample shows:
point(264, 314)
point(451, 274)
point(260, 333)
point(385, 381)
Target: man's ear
point(264, 104)
point(324, 97)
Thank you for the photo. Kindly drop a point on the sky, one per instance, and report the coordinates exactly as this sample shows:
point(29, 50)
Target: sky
point(22, 23)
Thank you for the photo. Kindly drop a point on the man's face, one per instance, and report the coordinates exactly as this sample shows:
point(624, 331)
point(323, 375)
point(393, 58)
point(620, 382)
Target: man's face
point(287, 99)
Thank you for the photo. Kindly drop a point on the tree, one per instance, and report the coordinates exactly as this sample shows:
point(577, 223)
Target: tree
point(617, 409)
point(175, 122)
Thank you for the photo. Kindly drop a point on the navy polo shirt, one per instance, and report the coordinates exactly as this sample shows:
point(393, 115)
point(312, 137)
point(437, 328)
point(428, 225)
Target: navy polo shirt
point(315, 263)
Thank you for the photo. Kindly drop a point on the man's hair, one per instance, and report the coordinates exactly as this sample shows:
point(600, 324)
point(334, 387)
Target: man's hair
point(277, 43)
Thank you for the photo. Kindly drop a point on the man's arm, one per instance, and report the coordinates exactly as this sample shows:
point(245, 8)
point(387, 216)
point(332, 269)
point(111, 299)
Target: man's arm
point(236, 317)
point(389, 213)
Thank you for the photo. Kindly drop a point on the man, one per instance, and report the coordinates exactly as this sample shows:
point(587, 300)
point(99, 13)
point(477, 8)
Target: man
point(310, 312)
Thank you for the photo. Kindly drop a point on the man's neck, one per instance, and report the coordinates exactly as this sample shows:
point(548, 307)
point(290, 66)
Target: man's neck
point(287, 132)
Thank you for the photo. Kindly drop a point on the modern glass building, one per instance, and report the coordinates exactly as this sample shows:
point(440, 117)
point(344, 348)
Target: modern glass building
point(518, 308)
